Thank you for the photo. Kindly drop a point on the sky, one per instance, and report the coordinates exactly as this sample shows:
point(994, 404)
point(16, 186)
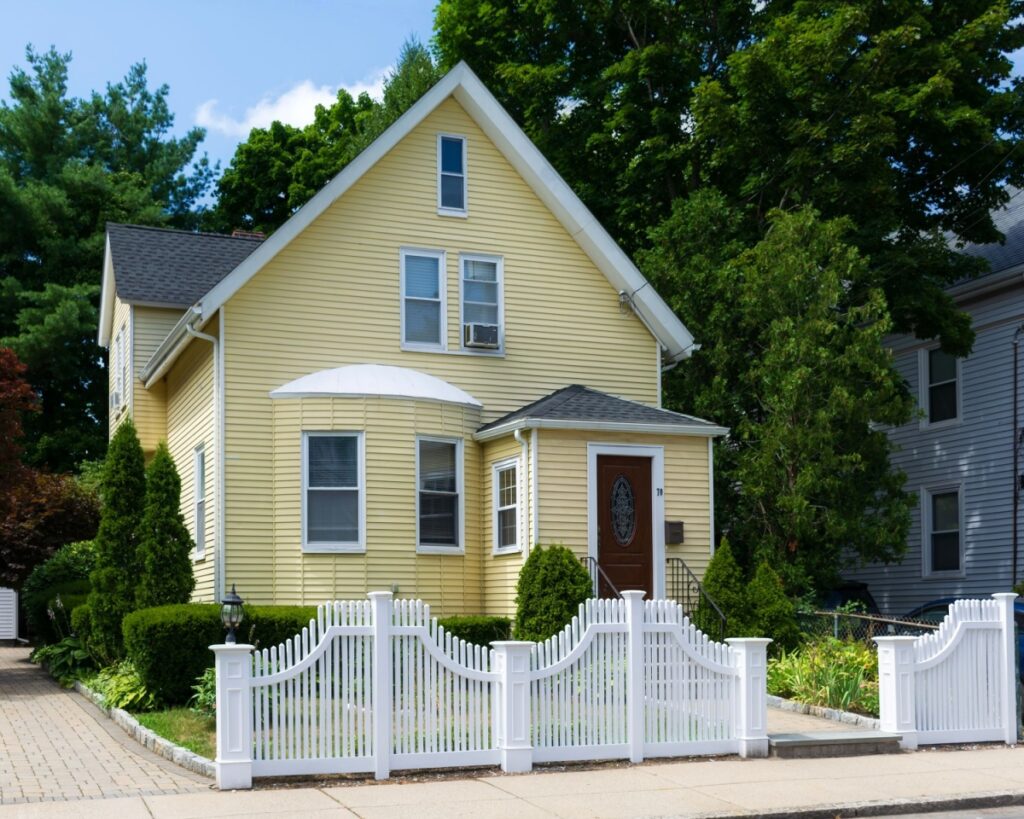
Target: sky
point(231, 65)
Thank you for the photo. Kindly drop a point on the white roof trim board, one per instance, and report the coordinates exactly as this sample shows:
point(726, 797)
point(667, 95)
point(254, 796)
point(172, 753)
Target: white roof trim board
point(376, 380)
point(699, 430)
point(524, 156)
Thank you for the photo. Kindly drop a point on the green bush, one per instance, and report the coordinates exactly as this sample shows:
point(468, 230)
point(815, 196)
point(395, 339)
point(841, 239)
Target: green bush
point(164, 542)
point(830, 673)
point(66, 661)
point(81, 626)
point(66, 573)
point(551, 586)
point(204, 698)
point(480, 629)
point(169, 645)
point(772, 613)
point(122, 687)
point(723, 583)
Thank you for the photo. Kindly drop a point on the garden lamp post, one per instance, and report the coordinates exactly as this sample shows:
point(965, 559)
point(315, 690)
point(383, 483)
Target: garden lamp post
point(231, 613)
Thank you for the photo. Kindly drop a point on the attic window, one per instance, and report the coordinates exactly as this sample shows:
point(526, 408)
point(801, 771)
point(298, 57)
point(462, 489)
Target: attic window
point(451, 175)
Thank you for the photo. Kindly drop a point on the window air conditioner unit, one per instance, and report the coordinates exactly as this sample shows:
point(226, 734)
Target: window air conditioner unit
point(481, 335)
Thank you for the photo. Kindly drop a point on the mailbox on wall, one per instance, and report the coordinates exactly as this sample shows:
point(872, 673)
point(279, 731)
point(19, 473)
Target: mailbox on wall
point(673, 532)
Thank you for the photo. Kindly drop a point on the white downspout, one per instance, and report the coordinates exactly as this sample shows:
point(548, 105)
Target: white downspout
point(218, 558)
point(524, 519)
point(534, 508)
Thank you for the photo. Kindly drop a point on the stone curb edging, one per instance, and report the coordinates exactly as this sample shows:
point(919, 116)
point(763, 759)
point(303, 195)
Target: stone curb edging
point(147, 738)
point(893, 807)
point(834, 714)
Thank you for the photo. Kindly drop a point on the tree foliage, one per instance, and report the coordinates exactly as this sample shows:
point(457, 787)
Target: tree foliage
point(68, 165)
point(117, 561)
point(16, 399)
point(552, 584)
point(164, 542)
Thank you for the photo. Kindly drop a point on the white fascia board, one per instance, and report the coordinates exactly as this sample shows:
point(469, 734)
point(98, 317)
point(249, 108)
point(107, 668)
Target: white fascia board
point(352, 172)
point(106, 298)
point(170, 348)
point(601, 426)
point(525, 157)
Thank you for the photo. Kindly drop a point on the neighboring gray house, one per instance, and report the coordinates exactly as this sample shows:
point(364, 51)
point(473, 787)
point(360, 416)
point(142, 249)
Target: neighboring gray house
point(962, 457)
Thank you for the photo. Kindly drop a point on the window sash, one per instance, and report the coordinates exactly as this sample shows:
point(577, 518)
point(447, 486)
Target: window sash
point(125, 368)
point(506, 507)
point(945, 553)
point(451, 183)
point(199, 500)
point(943, 390)
point(332, 513)
point(423, 327)
point(480, 292)
point(438, 493)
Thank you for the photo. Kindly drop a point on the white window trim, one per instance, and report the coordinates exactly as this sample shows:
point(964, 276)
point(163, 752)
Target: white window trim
point(926, 531)
point(923, 380)
point(462, 212)
point(496, 468)
point(345, 547)
point(199, 453)
point(460, 487)
point(657, 456)
point(442, 273)
point(499, 262)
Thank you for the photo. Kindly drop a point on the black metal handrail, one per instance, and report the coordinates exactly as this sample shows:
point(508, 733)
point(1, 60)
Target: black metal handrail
point(682, 585)
point(597, 574)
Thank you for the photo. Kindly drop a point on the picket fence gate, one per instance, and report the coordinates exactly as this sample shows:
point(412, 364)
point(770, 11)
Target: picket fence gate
point(957, 684)
point(375, 685)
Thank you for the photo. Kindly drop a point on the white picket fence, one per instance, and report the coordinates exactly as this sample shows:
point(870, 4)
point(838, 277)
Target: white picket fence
point(957, 684)
point(371, 686)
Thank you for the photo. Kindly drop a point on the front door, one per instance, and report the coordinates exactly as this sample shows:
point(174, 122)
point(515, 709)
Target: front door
point(625, 548)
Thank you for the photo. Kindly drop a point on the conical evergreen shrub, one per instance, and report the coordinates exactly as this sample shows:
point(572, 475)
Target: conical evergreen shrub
point(114, 578)
point(772, 612)
point(164, 542)
point(723, 583)
point(551, 586)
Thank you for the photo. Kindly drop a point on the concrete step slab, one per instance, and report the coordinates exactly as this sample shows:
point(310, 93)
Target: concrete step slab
point(814, 744)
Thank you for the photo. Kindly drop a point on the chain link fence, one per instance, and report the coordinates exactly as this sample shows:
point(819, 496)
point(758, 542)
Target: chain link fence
point(864, 627)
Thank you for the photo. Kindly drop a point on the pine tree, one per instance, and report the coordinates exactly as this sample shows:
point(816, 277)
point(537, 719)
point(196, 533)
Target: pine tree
point(164, 542)
point(772, 613)
point(117, 568)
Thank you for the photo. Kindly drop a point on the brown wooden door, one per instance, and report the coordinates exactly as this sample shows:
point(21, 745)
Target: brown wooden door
point(625, 548)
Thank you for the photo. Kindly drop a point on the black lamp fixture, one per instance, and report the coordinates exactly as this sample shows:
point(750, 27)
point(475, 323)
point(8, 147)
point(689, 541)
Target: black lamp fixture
point(231, 613)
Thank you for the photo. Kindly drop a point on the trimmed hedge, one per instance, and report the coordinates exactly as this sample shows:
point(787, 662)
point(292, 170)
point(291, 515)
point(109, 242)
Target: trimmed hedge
point(552, 584)
point(169, 645)
point(481, 629)
point(65, 573)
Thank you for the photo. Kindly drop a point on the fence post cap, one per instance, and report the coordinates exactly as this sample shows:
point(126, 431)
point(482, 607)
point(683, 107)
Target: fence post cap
point(380, 595)
point(228, 648)
point(1005, 595)
point(512, 643)
point(895, 638)
point(631, 594)
point(739, 642)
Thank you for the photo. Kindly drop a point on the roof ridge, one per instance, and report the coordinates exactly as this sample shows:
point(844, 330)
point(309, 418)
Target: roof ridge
point(198, 233)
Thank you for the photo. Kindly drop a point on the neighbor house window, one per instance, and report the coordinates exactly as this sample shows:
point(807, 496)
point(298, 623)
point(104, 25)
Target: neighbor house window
point(438, 490)
point(943, 532)
point(126, 368)
point(943, 394)
point(332, 491)
point(199, 500)
point(423, 299)
point(506, 506)
point(451, 175)
point(117, 370)
point(481, 302)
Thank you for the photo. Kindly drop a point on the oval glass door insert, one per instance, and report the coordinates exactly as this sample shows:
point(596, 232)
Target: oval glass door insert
point(623, 508)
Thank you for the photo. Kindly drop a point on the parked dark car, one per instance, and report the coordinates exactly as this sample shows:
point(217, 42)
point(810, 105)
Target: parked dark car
point(849, 591)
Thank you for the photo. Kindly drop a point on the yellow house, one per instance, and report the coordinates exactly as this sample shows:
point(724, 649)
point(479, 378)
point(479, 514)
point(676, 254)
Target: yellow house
point(439, 361)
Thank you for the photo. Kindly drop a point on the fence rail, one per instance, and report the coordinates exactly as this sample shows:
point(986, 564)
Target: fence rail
point(957, 684)
point(844, 625)
point(373, 685)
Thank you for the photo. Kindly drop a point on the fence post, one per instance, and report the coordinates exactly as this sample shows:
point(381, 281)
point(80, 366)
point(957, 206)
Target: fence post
point(635, 674)
point(233, 662)
point(751, 694)
point(382, 617)
point(512, 718)
point(1008, 670)
point(897, 696)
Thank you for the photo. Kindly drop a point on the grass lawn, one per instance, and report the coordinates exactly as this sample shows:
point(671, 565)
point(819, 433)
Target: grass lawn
point(184, 727)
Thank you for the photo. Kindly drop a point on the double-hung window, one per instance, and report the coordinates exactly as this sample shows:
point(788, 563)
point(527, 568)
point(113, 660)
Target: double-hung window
point(438, 495)
point(941, 395)
point(333, 493)
point(451, 175)
point(118, 368)
point(199, 499)
point(506, 506)
point(481, 281)
point(942, 531)
point(423, 299)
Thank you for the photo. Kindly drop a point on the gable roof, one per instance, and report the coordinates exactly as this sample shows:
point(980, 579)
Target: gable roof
point(163, 267)
point(1009, 220)
point(538, 173)
point(579, 407)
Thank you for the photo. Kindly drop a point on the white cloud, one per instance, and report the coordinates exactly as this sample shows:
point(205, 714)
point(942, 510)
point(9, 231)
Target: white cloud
point(296, 106)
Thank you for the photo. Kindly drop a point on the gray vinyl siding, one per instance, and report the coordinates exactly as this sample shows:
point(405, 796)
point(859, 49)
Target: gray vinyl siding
point(975, 453)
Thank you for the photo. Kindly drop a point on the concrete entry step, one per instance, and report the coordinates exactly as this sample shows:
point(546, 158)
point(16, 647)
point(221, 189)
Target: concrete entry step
point(832, 743)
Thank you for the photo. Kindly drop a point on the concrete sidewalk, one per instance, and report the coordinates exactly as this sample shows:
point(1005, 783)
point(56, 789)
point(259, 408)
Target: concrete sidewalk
point(718, 787)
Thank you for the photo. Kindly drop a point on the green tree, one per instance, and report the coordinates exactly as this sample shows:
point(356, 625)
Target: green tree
point(164, 542)
point(771, 611)
point(792, 360)
point(723, 583)
point(69, 165)
point(552, 584)
point(117, 561)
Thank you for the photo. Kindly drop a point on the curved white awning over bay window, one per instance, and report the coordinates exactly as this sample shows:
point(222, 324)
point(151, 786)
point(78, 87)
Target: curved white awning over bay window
point(374, 380)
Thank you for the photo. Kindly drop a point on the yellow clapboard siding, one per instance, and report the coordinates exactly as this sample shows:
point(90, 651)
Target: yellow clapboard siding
point(121, 323)
point(501, 571)
point(150, 326)
point(190, 423)
point(331, 298)
point(562, 482)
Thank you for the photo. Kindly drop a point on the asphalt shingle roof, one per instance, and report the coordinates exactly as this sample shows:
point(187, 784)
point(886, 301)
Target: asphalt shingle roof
point(1009, 220)
point(579, 403)
point(168, 267)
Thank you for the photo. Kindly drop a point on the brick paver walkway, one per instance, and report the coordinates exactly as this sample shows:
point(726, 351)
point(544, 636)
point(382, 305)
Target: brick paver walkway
point(54, 745)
